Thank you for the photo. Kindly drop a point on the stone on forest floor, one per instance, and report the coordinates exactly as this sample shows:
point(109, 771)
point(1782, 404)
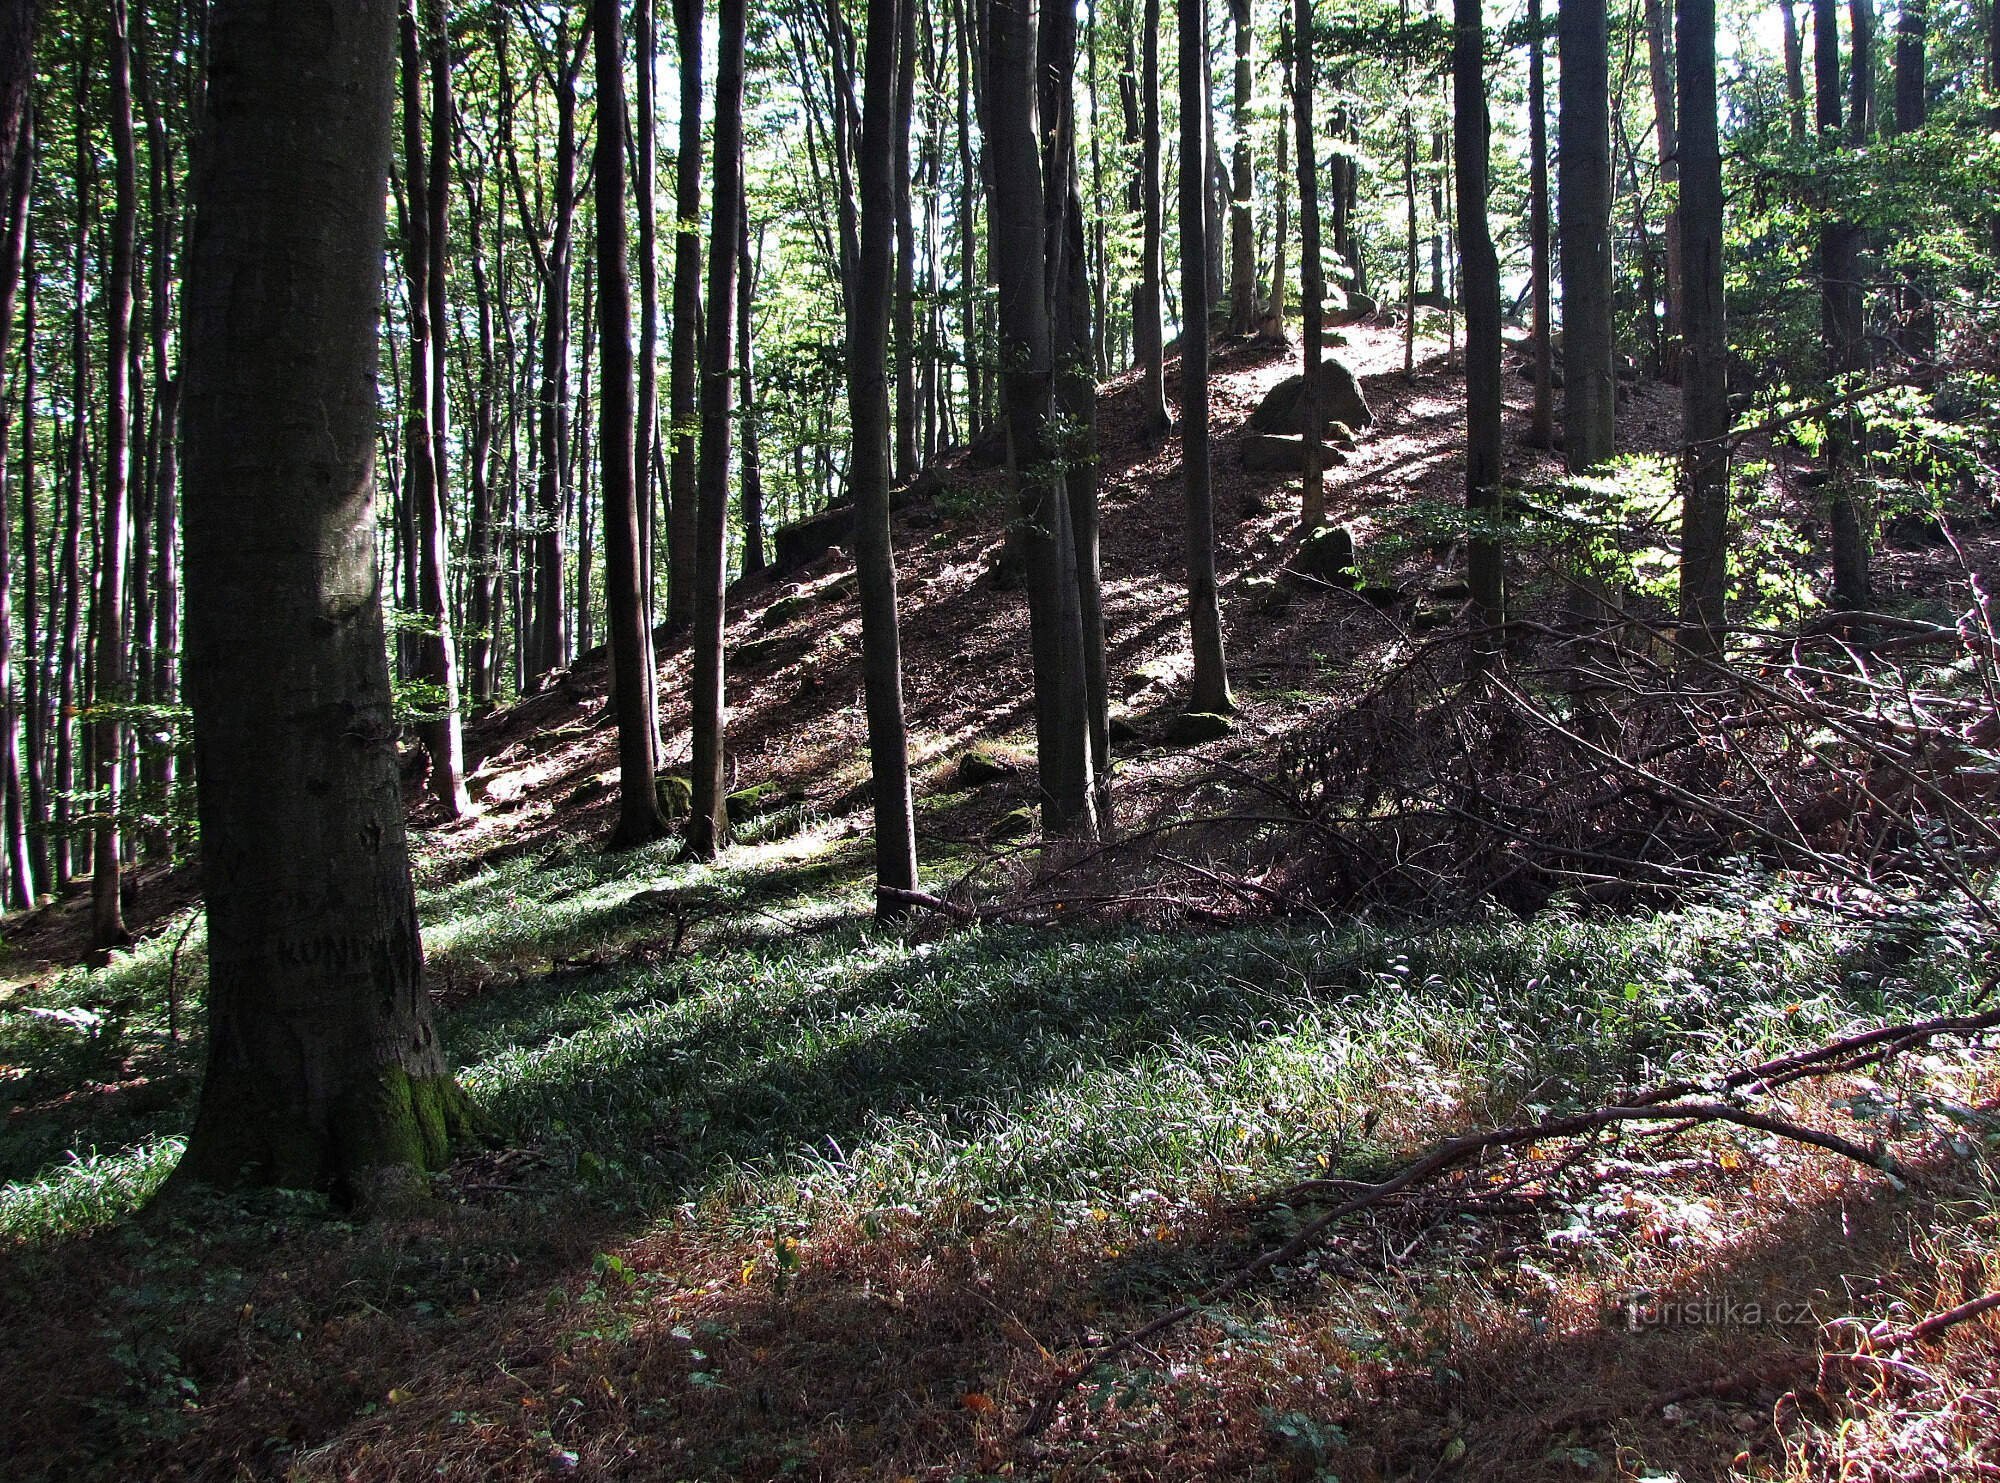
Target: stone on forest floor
point(1340, 400)
point(1192, 727)
point(978, 768)
point(785, 609)
point(1124, 732)
point(1327, 555)
point(748, 803)
point(1016, 823)
point(1282, 453)
point(676, 795)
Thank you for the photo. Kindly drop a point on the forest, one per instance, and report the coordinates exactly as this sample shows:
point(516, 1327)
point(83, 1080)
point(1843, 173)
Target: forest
point(1048, 739)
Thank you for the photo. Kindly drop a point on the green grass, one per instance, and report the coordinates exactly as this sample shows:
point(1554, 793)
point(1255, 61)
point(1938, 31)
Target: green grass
point(798, 1063)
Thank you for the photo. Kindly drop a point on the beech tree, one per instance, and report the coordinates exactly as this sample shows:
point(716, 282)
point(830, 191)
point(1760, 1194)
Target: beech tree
point(1704, 574)
point(324, 1069)
point(1312, 266)
point(1210, 690)
point(1479, 279)
point(1583, 228)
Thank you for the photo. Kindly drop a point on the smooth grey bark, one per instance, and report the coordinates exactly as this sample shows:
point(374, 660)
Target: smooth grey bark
point(1840, 324)
point(708, 825)
point(1148, 330)
point(1479, 284)
point(109, 680)
point(1542, 418)
point(1660, 69)
point(646, 445)
point(1018, 252)
point(868, 460)
point(1704, 576)
point(1312, 264)
point(1242, 228)
point(906, 245)
point(1210, 689)
point(633, 695)
point(750, 497)
point(1583, 231)
point(324, 1069)
point(683, 386)
point(17, 69)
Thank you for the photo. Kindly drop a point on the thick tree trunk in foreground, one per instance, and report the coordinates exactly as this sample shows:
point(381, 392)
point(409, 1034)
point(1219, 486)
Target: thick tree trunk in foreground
point(1479, 281)
point(324, 1070)
point(1705, 364)
point(1210, 690)
point(1583, 228)
point(868, 410)
point(708, 825)
point(633, 682)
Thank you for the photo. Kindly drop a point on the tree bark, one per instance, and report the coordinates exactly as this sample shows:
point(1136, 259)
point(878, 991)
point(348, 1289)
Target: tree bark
point(1704, 577)
point(1660, 64)
point(107, 914)
point(1210, 690)
point(17, 71)
point(1840, 323)
point(324, 1070)
point(708, 826)
point(633, 697)
point(1542, 420)
point(437, 662)
point(1242, 228)
point(1583, 165)
point(682, 378)
point(1861, 71)
point(646, 29)
point(1018, 252)
point(751, 496)
point(1148, 332)
point(868, 411)
point(1312, 264)
point(1479, 282)
point(906, 247)
point(1795, 71)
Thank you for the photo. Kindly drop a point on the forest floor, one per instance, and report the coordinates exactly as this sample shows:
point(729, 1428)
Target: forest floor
point(788, 1195)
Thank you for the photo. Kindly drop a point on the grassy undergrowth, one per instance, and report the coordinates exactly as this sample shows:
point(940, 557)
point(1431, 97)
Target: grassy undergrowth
point(790, 1074)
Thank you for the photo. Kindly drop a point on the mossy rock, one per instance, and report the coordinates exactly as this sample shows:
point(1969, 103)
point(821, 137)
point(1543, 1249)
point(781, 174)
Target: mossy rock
point(676, 795)
point(1340, 435)
point(977, 768)
point(1192, 727)
point(1327, 555)
point(748, 803)
point(1432, 616)
point(785, 609)
point(1125, 732)
point(1017, 823)
point(779, 649)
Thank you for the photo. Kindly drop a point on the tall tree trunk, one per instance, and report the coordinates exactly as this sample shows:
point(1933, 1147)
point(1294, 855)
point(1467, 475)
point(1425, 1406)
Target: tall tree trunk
point(708, 826)
point(1542, 419)
point(17, 72)
point(1840, 325)
point(324, 1069)
point(682, 379)
point(1861, 72)
point(646, 29)
point(1312, 264)
point(1275, 311)
point(1795, 71)
point(906, 249)
point(1075, 381)
point(1149, 333)
point(107, 914)
point(1242, 228)
point(1583, 229)
point(1210, 691)
point(34, 670)
point(632, 686)
point(162, 762)
point(1479, 283)
point(968, 240)
point(868, 412)
point(550, 647)
point(482, 608)
point(437, 664)
point(1018, 252)
point(751, 494)
point(68, 636)
point(1705, 382)
point(1660, 64)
